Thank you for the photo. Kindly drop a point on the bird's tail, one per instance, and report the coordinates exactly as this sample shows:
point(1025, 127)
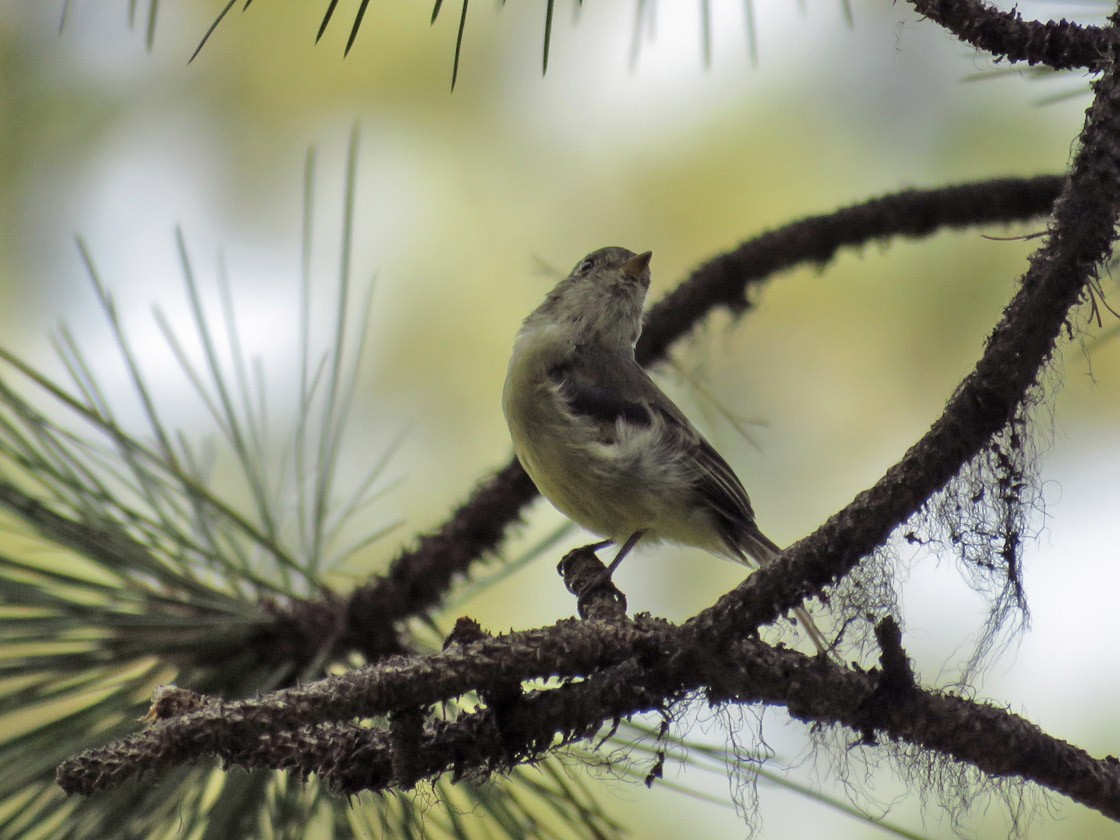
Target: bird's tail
point(763, 550)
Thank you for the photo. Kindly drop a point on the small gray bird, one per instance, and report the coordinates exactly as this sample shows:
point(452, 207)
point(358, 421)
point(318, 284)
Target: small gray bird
point(602, 442)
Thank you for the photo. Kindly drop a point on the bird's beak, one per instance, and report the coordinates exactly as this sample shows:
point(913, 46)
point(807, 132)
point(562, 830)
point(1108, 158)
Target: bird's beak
point(635, 267)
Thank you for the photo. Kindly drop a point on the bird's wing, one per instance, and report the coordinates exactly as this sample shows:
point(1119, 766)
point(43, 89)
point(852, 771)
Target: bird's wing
point(722, 489)
point(600, 401)
point(626, 392)
point(717, 487)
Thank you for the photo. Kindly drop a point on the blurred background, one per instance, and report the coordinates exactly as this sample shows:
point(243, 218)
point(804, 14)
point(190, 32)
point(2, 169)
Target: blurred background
point(471, 203)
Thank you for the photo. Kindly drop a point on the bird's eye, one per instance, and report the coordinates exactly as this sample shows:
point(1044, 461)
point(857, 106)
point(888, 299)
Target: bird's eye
point(584, 267)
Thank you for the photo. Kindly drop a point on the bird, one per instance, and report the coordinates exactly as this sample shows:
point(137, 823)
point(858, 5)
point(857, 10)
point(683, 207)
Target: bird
point(603, 443)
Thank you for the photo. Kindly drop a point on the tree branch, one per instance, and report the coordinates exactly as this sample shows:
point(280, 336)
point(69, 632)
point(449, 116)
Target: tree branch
point(726, 280)
point(419, 578)
point(308, 730)
point(1061, 45)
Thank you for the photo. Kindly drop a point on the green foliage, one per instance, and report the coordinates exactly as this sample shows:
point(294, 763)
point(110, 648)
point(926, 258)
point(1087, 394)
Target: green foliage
point(644, 16)
point(134, 567)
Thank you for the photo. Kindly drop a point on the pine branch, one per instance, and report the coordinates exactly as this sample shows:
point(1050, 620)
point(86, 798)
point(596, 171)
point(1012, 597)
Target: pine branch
point(728, 280)
point(1061, 45)
point(307, 729)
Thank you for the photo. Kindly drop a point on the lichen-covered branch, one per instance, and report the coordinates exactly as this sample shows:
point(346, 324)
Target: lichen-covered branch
point(312, 729)
point(1058, 44)
point(726, 280)
point(420, 577)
